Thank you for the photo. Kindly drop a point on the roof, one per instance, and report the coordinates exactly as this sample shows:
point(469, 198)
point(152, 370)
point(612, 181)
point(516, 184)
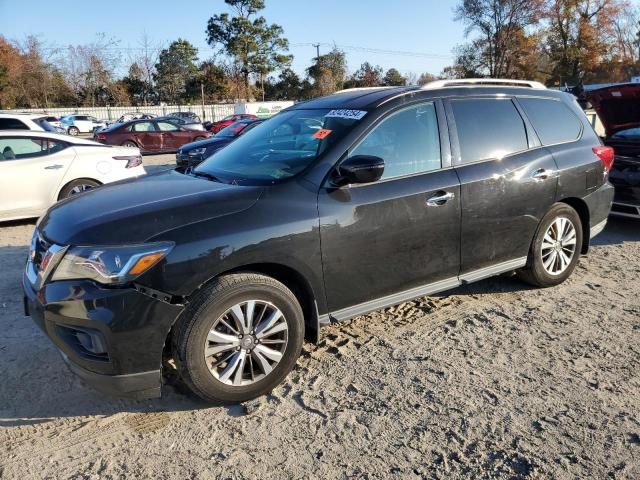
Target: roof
point(55, 136)
point(5, 114)
point(371, 97)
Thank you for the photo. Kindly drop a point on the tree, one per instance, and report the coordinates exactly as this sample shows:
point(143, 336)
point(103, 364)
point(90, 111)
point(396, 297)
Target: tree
point(501, 46)
point(213, 81)
point(135, 85)
point(366, 76)
point(257, 47)
point(89, 69)
point(425, 78)
point(394, 78)
point(10, 70)
point(581, 37)
point(328, 72)
point(289, 86)
point(175, 69)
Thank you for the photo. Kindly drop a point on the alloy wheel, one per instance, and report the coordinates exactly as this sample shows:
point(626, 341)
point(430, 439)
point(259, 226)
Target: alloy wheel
point(246, 343)
point(558, 246)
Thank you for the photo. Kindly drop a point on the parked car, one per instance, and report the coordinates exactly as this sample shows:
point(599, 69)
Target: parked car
point(187, 123)
point(77, 124)
point(25, 121)
point(191, 116)
point(215, 127)
point(618, 108)
point(149, 135)
point(39, 168)
point(217, 276)
point(127, 117)
point(194, 153)
point(54, 121)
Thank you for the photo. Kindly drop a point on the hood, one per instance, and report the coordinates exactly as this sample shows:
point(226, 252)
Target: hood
point(133, 211)
point(617, 106)
point(208, 142)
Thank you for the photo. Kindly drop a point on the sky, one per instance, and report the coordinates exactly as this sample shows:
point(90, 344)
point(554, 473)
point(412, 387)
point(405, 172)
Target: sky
point(411, 35)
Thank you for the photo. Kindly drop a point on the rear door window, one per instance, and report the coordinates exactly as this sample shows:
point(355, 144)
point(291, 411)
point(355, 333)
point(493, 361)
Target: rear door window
point(25, 147)
point(552, 120)
point(408, 141)
point(167, 127)
point(144, 127)
point(488, 128)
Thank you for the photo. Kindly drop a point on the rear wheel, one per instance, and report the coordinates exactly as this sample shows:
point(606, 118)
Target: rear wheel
point(77, 186)
point(240, 338)
point(556, 247)
point(74, 131)
point(129, 143)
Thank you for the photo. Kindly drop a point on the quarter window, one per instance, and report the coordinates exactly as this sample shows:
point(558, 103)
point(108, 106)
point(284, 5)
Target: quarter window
point(408, 141)
point(488, 128)
point(552, 120)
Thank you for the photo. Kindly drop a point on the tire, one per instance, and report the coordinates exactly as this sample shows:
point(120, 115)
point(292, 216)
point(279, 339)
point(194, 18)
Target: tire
point(77, 186)
point(548, 265)
point(129, 143)
point(197, 139)
point(203, 318)
point(74, 131)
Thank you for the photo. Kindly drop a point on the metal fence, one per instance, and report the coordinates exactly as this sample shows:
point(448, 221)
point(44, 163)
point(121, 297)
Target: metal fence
point(206, 112)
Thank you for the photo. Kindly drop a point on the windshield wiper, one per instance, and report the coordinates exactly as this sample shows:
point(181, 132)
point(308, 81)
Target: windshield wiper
point(206, 175)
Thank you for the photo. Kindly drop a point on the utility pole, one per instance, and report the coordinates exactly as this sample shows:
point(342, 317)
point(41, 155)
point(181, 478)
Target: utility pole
point(204, 116)
point(317, 45)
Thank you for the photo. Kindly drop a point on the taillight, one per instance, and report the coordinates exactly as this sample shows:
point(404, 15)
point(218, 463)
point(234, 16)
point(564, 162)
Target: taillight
point(606, 156)
point(101, 136)
point(132, 160)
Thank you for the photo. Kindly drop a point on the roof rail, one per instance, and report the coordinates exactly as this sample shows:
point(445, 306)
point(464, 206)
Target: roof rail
point(362, 89)
point(487, 82)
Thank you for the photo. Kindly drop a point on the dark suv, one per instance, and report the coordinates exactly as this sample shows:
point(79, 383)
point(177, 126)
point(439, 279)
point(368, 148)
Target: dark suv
point(333, 208)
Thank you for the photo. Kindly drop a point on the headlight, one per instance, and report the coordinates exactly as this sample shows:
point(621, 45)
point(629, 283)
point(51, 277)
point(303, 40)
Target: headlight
point(110, 265)
point(197, 151)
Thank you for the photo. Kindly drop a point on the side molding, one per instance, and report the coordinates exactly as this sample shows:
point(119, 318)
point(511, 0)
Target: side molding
point(421, 291)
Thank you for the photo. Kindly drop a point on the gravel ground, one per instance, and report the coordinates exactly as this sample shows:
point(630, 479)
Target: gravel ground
point(494, 380)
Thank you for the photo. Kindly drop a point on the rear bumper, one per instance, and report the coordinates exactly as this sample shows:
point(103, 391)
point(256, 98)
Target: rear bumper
point(625, 176)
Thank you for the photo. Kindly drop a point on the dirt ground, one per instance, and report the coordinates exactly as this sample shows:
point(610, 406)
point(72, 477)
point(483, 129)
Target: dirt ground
point(494, 380)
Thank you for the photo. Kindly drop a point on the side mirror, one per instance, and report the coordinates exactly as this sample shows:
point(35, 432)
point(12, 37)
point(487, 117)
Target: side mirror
point(360, 169)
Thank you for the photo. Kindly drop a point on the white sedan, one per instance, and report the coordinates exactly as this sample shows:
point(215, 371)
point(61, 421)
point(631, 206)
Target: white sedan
point(39, 168)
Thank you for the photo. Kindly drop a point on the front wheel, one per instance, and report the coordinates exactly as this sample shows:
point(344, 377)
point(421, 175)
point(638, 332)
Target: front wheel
point(74, 131)
point(556, 247)
point(240, 338)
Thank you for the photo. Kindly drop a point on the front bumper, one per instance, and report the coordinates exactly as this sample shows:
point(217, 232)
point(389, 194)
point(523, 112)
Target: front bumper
point(128, 326)
point(134, 385)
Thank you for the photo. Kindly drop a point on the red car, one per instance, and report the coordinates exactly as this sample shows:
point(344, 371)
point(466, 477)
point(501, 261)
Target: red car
point(215, 127)
point(149, 135)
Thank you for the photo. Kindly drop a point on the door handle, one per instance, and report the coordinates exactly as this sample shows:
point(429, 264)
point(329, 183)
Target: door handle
point(53, 167)
point(541, 174)
point(440, 198)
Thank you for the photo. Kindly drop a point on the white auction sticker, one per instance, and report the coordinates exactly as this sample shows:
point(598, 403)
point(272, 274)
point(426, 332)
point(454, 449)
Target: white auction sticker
point(352, 114)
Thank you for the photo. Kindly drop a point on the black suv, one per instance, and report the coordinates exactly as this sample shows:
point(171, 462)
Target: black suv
point(333, 208)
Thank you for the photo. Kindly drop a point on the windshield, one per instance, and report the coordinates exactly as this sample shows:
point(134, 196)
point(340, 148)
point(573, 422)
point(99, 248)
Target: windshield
point(280, 147)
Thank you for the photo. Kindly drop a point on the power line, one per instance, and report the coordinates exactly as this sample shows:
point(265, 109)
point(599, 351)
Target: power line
point(435, 56)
